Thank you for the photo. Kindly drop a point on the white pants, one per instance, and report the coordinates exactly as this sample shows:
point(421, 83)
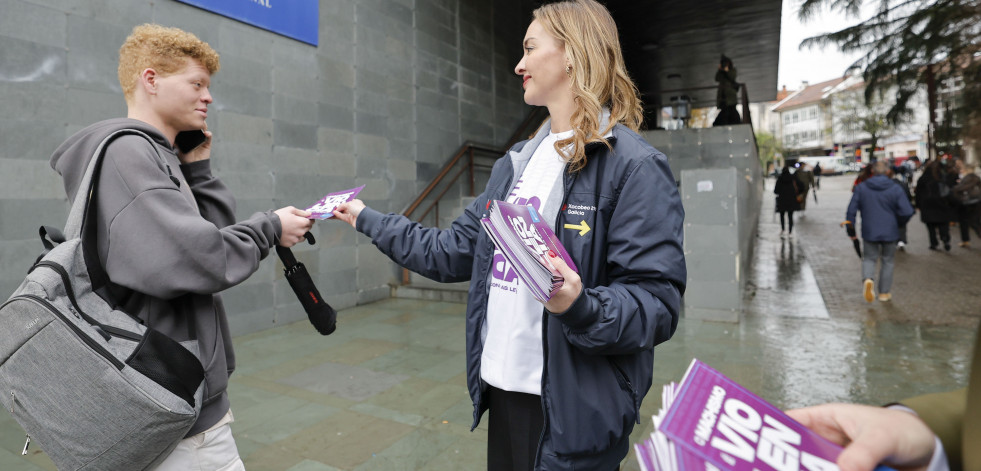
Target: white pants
point(211, 450)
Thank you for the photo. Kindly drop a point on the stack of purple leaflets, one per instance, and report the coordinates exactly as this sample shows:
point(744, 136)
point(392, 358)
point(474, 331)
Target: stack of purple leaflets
point(525, 239)
point(711, 423)
point(324, 208)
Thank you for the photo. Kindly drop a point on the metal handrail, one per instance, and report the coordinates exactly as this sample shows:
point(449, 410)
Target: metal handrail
point(467, 149)
point(745, 97)
point(470, 165)
point(469, 146)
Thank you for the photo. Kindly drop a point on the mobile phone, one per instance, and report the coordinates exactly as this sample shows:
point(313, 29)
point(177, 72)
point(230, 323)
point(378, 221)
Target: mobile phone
point(186, 141)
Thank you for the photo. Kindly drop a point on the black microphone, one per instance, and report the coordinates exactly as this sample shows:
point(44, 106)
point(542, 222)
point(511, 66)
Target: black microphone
point(321, 315)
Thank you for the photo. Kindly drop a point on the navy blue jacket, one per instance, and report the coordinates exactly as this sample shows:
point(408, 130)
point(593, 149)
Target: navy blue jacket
point(599, 355)
point(884, 207)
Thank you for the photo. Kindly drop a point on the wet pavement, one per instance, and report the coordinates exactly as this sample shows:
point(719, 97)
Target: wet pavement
point(387, 390)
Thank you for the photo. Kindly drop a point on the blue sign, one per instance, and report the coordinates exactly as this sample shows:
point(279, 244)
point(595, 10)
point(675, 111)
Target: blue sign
point(297, 19)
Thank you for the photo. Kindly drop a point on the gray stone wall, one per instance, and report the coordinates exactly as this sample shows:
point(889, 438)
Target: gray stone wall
point(394, 87)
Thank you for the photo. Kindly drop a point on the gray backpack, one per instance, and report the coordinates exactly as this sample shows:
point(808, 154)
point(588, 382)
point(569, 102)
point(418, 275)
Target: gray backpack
point(92, 385)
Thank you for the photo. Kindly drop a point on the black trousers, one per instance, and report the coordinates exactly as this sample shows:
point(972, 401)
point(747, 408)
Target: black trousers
point(943, 228)
point(514, 430)
point(967, 219)
point(790, 215)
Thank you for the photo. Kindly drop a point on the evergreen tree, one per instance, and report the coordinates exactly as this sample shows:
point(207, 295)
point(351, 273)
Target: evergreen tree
point(906, 43)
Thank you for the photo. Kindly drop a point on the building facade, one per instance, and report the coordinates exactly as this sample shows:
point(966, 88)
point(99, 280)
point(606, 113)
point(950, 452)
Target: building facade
point(832, 118)
point(806, 120)
point(389, 94)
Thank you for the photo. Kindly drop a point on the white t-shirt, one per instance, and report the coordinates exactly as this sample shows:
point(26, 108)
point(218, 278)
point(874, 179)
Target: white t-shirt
point(512, 357)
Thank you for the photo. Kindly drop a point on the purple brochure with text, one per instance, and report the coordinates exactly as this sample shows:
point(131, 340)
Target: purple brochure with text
point(324, 208)
point(525, 239)
point(510, 254)
point(732, 428)
point(538, 238)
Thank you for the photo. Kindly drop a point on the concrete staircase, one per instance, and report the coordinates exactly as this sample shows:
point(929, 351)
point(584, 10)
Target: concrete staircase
point(450, 208)
point(454, 198)
point(420, 287)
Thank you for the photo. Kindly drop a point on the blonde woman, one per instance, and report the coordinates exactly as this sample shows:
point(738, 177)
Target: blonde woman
point(563, 381)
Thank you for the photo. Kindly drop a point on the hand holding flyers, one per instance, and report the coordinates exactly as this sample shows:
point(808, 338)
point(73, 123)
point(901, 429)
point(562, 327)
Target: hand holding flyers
point(567, 294)
point(709, 422)
point(528, 243)
point(324, 209)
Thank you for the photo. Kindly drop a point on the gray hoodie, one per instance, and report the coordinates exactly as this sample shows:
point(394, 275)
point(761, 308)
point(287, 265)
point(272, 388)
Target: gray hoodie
point(168, 241)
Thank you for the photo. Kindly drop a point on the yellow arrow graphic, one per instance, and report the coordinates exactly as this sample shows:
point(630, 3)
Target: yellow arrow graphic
point(583, 228)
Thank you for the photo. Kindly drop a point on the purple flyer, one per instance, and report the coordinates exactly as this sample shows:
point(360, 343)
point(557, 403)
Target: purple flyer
point(524, 239)
point(324, 208)
point(724, 423)
point(537, 237)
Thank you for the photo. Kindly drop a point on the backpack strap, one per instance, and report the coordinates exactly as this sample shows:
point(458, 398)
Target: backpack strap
point(82, 220)
point(50, 237)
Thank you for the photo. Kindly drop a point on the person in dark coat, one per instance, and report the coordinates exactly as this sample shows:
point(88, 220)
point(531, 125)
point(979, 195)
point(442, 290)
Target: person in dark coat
point(933, 200)
point(884, 208)
point(726, 97)
point(805, 180)
point(967, 194)
point(787, 201)
point(864, 174)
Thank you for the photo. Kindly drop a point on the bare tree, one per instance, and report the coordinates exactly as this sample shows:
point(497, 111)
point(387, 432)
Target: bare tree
point(855, 118)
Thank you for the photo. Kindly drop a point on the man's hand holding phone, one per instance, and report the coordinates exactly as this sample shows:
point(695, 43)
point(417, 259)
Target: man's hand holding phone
point(194, 145)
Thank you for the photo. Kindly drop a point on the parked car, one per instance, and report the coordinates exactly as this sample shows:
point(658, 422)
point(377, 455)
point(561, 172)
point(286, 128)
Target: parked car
point(830, 165)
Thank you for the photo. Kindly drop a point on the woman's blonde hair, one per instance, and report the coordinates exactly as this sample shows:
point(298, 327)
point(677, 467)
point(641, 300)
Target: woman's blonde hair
point(599, 77)
point(162, 49)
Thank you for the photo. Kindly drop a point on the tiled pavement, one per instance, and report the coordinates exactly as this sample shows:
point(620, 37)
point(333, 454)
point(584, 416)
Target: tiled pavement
point(387, 390)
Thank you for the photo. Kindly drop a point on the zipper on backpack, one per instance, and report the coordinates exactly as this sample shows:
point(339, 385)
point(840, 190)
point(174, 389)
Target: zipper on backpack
point(104, 330)
point(78, 332)
point(13, 400)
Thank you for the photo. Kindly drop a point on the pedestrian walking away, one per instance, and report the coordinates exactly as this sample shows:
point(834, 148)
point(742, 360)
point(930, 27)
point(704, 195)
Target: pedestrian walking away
point(788, 200)
point(884, 207)
point(805, 181)
point(967, 196)
point(933, 200)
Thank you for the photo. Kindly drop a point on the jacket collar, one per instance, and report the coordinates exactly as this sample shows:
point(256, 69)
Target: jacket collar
point(525, 151)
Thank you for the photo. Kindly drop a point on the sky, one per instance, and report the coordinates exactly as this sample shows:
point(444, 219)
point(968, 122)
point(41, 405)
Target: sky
point(811, 64)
